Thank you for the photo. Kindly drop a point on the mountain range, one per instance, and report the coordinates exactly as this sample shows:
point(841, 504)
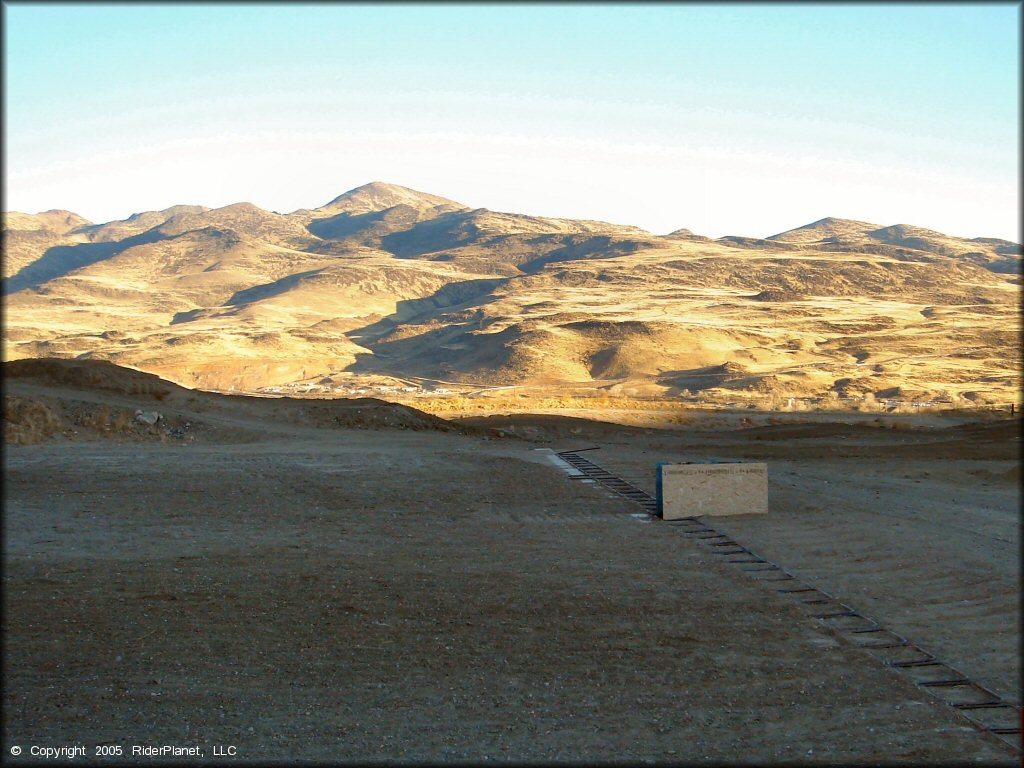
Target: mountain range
point(387, 284)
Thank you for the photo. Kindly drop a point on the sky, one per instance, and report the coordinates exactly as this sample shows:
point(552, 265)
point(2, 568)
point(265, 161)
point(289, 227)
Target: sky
point(742, 119)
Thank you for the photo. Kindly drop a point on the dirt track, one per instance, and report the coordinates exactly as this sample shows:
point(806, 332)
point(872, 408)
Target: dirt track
point(351, 594)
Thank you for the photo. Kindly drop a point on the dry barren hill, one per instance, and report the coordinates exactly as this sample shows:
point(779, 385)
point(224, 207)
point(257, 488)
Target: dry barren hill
point(387, 284)
point(95, 399)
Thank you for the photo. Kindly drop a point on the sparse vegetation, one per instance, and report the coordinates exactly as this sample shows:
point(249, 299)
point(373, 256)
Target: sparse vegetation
point(385, 281)
point(28, 420)
point(676, 411)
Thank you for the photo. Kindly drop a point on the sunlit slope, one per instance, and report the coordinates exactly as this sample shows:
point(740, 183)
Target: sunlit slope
point(384, 280)
point(27, 236)
point(799, 323)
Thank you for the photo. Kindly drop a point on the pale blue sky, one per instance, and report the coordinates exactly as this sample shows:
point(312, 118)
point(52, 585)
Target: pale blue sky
point(726, 119)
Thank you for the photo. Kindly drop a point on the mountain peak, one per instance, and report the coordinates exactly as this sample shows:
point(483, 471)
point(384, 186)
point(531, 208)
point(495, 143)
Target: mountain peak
point(55, 220)
point(898, 231)
point(830, 226)
point(166, 213)
point(379, 196)
point(686, 234)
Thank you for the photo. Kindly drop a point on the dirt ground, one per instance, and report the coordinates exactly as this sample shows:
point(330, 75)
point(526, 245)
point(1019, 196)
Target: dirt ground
point(919, 528)
point(306, 587)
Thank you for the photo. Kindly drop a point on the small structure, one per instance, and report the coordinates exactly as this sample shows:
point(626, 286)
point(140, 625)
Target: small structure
point(711, 489)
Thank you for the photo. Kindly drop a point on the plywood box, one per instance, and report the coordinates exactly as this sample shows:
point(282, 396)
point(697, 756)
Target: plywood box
point(692, 490)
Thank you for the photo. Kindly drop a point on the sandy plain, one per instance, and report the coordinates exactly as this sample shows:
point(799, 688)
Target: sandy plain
point(350, 581)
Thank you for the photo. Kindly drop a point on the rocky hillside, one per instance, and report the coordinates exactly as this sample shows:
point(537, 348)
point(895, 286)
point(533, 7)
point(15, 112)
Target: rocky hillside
point(384, 284)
